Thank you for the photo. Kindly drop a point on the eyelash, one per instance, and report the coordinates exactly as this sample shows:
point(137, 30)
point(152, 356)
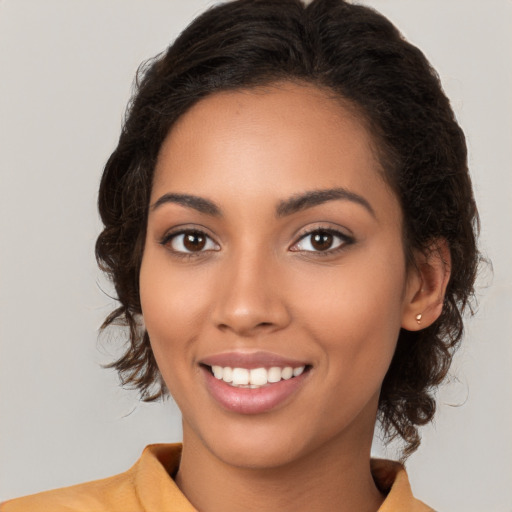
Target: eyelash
point(169, 237)
point(345, 240)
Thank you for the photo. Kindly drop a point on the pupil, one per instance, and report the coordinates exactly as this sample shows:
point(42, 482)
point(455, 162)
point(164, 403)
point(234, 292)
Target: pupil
point(322, 241)
point(194, 241)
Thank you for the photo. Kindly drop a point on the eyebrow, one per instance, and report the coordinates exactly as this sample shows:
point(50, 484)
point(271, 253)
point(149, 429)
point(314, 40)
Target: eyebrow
point(200, 204)
point(294, 204)
point(312, 198)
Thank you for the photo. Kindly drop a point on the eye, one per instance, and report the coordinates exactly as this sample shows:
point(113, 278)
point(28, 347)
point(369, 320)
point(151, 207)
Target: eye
point(321, 240)
point(190, 241)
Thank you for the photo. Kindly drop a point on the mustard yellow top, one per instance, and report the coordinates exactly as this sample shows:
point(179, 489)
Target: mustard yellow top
point(148, 487)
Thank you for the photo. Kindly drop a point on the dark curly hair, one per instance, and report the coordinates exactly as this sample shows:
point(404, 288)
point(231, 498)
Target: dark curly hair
point(359, 56)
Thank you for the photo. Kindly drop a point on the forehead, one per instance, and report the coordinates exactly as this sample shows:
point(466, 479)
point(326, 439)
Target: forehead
point(273, 142)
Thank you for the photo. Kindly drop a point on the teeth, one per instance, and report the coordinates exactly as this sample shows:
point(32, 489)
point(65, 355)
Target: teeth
point(227, 374)
point(287, 373)
point(297, 371)
point(274, 374)
point(256, 377)
point(240, 377)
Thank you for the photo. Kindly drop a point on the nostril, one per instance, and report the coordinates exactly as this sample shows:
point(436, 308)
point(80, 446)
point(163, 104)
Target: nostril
point(249, 317)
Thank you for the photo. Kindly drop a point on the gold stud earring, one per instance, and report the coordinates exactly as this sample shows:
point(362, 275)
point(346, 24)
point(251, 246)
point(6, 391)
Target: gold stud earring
point(418, 318)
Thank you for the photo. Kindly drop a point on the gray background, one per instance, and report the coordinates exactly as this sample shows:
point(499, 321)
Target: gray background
point(66, 68)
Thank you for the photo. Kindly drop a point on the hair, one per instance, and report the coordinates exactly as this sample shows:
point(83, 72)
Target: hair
point(360, 57)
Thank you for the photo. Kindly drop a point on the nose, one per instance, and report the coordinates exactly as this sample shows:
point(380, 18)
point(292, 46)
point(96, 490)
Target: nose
point(250, 299)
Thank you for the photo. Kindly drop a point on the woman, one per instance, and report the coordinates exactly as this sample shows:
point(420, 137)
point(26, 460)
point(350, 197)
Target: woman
point(290, 228)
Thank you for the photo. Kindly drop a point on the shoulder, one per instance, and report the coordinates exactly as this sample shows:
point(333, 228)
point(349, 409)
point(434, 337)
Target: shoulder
point(112, 494)
point(131, 491)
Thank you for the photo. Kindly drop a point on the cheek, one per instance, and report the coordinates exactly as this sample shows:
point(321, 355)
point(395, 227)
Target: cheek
point(354, 313)
point(172, 305)
point(171, 298)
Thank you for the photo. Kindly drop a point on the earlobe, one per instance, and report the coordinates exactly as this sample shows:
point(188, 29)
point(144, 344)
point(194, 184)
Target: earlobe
point(426, 286)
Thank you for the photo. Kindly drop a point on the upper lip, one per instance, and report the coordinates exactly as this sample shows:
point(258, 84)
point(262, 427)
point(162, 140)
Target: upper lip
point(251, 360)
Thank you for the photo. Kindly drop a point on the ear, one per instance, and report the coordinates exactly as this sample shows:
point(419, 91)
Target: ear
point(427, 280)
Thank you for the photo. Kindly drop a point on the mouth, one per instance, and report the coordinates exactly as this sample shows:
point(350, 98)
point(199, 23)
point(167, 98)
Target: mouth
point(255, 378)
point(253, 383)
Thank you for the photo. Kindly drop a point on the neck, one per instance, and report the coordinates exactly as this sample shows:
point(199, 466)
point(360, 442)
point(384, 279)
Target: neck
point(335, 476)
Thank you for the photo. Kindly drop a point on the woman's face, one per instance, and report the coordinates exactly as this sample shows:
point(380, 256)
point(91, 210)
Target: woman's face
point(273, 245)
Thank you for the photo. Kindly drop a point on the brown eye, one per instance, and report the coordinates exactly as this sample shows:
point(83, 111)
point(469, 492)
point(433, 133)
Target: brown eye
point(194, 241)
point(321, 240)
point(190, 242)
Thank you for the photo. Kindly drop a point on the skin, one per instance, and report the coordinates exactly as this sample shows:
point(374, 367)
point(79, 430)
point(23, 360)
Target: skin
point(260, 284)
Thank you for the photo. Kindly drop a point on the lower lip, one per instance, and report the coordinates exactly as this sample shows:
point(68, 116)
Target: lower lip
point(252, 401)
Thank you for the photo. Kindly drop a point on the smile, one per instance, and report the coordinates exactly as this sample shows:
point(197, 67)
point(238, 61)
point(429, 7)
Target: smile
point(254, 382)
point(255, 378)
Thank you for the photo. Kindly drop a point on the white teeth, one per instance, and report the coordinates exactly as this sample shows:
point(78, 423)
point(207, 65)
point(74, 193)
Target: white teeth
point(227, 374)
point(298, 371)
point(258, 376)
point(287, 373)
point(240, 376)
point(217, 371)
point(274, 374)
point(255, 377)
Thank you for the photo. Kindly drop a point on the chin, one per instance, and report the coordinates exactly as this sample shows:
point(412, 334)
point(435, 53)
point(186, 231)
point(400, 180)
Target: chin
point(256, 447)
point(257, 455)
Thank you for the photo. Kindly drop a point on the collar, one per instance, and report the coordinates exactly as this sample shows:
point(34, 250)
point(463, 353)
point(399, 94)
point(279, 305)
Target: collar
point(158, 492)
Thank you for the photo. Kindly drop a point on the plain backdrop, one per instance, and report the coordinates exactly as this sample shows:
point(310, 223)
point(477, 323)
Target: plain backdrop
point(66, 69)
